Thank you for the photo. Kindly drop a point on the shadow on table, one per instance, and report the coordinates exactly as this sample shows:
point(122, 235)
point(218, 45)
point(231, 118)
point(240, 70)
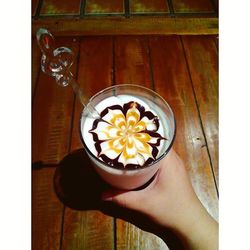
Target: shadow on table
point(79, 187)
point(77, 184)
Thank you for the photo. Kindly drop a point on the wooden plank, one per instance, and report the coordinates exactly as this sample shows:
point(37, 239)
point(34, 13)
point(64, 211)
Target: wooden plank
point(36, 62)
point(62, 7)
point(216, 5)
point(51, 128)
point(172, 82)
point(132, 66)
point(131, 61)
point(89, 229)
point(202, 59)
point(46, 211)
point(127, 26)
point(94, 74)
point(34, 5)
point(104, 7)
point(216, 40)
point(131, 237)
point(187, 6)
point(146, 6)
point(52, 114)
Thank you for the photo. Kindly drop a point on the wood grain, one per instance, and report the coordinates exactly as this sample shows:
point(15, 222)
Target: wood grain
point(132, 66)
point(36, 62)
point(46, 211)
point(175, 66)
point(146, 6)
point(131, 237)
point(202, 59)
point(94, 74)
point(216, 40)
point(52, 114)
point(127, 26)
point(34, 5)
point(104, 7)
point(186, 6)
point(62, 7)
point(172, 82)
point(51, 128)
point(131, 61)
point(89, 229)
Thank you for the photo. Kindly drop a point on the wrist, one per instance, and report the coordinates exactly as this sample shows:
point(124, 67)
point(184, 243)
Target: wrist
point(198, 230)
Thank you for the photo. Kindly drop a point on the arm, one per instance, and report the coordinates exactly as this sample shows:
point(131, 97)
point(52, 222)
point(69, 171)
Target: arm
point(170, 202)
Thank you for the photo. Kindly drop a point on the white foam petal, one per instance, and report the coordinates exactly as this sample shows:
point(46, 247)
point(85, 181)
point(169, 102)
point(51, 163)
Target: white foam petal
point(114, 117)
point(153, 140)
point(150, 125)
point(126, 161)
point(105, 131)
point(111, 152)
point(141, 148)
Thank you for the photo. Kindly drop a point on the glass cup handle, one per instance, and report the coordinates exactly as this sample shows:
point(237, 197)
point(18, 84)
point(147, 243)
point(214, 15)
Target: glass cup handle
point(55, 62)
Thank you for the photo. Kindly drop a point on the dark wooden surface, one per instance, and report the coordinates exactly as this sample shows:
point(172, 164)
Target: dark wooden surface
point(203, 66)
point(193, 6)
point(89, 229)
point(147, 6)
point(86, 8)
point(125, 17)
point(55, 7)
point(182, 69)
point(147, 25)
point(51, 129)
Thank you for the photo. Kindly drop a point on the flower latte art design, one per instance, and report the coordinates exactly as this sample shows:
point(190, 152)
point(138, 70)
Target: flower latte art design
point(126, 136)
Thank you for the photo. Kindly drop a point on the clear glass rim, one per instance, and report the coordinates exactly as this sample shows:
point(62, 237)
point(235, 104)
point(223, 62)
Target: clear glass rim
point(147, 165)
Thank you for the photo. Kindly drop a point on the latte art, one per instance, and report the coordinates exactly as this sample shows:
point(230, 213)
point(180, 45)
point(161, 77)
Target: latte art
point(126, 136)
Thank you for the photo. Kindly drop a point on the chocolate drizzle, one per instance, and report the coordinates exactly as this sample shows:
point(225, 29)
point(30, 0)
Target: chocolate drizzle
point(151, 133)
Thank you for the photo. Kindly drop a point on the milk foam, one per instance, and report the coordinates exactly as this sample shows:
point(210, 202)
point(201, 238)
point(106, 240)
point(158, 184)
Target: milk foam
point(139, 150)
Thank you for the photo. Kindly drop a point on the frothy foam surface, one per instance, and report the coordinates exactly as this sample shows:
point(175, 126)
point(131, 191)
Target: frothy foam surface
point(129, 133)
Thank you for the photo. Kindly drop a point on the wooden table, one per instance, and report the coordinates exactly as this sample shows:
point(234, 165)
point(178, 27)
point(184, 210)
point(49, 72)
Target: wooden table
point(182, 69)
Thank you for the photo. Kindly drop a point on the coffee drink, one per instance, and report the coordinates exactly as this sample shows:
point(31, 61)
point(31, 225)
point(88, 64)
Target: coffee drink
point(126, 135)
point(134, 132)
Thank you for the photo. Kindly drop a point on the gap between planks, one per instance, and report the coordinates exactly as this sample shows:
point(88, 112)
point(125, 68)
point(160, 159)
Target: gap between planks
point(199, 114)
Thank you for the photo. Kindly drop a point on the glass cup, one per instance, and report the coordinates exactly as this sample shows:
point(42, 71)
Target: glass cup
point(128, 179)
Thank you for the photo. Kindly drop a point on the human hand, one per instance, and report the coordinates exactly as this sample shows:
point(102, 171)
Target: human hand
point(169, 201)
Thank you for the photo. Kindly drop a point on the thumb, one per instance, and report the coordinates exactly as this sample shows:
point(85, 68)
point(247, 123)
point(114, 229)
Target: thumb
point(127, 199)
